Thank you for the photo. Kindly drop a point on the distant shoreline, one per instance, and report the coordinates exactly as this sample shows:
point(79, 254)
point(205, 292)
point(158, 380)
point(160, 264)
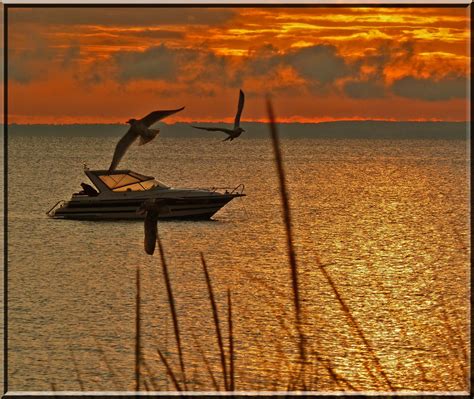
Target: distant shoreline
point(333, 129)
point(353, 121)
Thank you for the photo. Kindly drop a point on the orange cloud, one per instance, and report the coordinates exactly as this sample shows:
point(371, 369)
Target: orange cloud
point(320, 63)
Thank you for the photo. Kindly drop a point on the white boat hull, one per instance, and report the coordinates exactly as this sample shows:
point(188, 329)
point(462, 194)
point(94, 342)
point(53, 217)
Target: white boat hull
point(120, 194)
point(192, 208)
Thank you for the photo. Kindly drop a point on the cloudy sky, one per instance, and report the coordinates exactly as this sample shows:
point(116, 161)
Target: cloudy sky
point(105, 65)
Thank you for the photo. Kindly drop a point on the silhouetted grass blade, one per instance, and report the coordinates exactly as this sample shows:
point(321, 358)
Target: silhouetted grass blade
point(137, 332)
point(169, 370)
point(231, 342)
point(76, 368)
point(216, 321)
point(206, 363)
point(174, 315)
point(355, 325)
point(287, 222)
point(145, 365)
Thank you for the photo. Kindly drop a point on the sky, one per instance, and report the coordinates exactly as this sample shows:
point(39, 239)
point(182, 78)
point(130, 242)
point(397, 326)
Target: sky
point(106, 65)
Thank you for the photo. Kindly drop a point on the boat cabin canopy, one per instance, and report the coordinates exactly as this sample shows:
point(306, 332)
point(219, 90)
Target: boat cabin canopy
point(123, 180)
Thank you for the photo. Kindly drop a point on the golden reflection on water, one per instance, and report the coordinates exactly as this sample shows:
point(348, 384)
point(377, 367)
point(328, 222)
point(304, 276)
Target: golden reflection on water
point(387, 220)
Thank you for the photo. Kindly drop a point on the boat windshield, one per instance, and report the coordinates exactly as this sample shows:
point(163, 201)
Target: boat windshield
point(130, 182)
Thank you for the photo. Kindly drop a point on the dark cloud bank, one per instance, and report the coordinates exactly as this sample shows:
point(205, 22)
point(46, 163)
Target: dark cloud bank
point(319, 65)
point(431, 89)
point(327, 130)
point(116, 16)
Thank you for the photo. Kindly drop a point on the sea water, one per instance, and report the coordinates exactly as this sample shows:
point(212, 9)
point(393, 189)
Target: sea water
point(386, 219)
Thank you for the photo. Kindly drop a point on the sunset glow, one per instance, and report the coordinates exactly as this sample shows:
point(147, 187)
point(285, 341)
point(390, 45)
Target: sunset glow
point(88, 65)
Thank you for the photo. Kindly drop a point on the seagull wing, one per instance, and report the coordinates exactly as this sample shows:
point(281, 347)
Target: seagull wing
point(240, 107)
point(214, 129)
point(122, 147)
point(156, 116)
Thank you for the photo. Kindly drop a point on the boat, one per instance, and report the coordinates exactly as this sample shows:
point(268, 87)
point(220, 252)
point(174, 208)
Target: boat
point(118, 194)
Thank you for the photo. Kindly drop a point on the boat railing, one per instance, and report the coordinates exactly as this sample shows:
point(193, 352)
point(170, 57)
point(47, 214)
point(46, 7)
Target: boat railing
point(50, 213)
point(225, 190)
point(239, 189)
point(229, 190)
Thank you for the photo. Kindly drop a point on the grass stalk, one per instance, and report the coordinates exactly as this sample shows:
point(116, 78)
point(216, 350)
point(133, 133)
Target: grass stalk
point(206, 363)
point(174, 314)
point(455, 345)
point(333, 374)
point(355, 324)
point(216, 321)
point(231, 343)
point(289, 233)
point(371, 374)
point(169, 370)
point(76, 368)
point(137, 332)
point(145, 365)
point(107, 363)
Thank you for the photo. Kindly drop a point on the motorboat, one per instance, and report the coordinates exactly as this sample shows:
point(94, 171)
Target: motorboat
point(118, 195)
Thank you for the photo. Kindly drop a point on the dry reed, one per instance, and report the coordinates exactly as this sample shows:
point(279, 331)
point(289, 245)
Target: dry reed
point(149, 373)
point(333, 374)
point(137, 331)
point(288, 228)
point(112, 372)
point(293, 263)
point(76, 368)
point(229, 377)
point(355, 324)
point(231, 342)
point(215, 316)
point(206, 363)
point(174, 314)
point(169, 370)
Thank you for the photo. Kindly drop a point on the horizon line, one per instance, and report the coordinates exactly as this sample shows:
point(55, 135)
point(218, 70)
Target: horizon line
point(305, 122)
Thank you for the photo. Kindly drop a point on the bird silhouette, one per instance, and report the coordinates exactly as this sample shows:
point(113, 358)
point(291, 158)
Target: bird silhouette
point(237, 130)
point(139, 128)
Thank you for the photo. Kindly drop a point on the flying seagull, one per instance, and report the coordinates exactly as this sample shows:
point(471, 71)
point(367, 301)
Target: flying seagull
point(237, 130)
point(150, 208)
point(139, 128)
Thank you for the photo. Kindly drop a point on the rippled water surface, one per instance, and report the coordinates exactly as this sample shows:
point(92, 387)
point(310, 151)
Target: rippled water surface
point(388, 221)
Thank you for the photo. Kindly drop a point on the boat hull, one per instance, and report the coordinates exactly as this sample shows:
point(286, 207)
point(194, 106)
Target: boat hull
point(190, 209)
